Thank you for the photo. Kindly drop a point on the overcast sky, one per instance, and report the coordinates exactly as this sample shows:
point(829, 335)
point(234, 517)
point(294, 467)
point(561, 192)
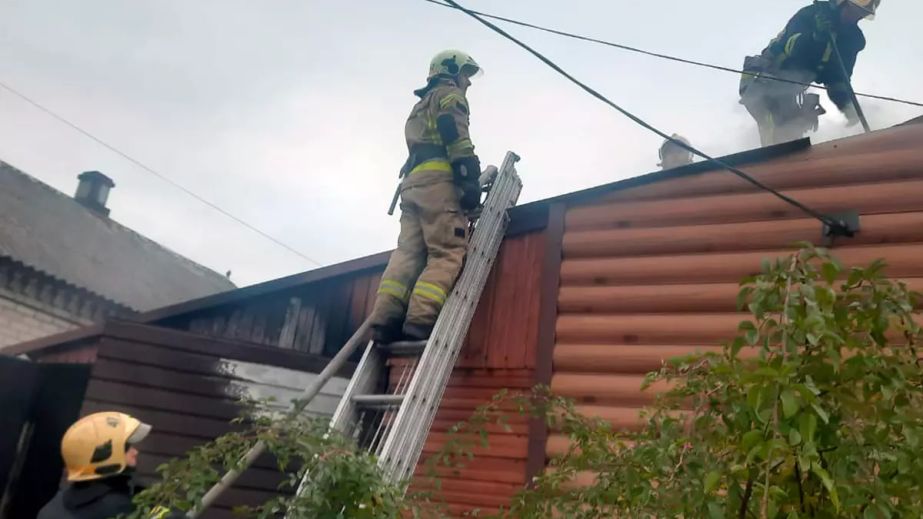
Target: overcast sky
point(290, 114)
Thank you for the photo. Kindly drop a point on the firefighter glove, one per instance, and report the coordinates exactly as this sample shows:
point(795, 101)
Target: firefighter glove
point(466, 172)
point(823, 24)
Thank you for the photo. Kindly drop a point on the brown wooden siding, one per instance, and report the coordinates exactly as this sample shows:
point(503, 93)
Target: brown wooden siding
point(504, 330)
point(651, 272)
point(500, 353)
point(176, 380)
point(314, 319)
point(496, 473)
point(188, 387)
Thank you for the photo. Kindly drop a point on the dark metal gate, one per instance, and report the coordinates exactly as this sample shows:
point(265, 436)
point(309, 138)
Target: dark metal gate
point(39, 402)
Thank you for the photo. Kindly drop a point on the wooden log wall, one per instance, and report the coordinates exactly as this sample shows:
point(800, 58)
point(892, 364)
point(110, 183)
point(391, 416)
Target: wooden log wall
point(651, 272)
point(188, 388)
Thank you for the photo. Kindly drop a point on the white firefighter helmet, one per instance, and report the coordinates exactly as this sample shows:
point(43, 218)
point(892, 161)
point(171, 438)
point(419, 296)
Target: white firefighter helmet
point(673, 155)
point(667, 144)
point(453, 62)
point(869, 6)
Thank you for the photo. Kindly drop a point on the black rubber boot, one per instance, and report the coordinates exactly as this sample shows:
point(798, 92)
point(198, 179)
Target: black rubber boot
point(417, 332)
point(386, 334)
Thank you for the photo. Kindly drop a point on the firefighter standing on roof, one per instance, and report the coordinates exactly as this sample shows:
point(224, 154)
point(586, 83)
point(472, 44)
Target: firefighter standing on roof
point(440, 183)
point(804, 52)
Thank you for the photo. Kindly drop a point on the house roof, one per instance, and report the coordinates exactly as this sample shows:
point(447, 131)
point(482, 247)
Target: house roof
point(533, 216)
point(49, 231)
point(18, 278)
point(523, 218)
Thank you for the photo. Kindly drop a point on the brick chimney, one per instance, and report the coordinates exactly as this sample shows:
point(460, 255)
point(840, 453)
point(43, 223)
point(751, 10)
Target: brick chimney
point(93, 191)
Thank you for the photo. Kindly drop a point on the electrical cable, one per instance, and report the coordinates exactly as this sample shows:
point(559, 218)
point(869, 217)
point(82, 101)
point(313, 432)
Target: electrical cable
point(154, 172)
point(835, 226)
point(665, 56)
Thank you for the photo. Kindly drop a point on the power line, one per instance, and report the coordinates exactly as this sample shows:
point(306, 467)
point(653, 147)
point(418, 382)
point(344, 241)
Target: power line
point(154, 172)
point(662, 56)
point(838, 227)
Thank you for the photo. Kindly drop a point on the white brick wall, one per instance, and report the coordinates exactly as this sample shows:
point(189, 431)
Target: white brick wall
point(21, 321)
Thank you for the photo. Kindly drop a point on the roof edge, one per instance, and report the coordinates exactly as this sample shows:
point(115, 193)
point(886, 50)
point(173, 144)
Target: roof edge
point(705, 166)
point(62, 339)
point(182, 340)
point(915, 120)
point(266, 287)
point(77, 289)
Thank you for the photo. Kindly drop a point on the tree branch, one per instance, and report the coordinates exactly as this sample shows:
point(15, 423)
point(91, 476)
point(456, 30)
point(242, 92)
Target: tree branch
point(800, 486)
point(748, 492)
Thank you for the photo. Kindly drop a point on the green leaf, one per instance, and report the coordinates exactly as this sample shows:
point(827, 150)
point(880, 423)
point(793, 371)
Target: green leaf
point(743, 297)
point(827, 481)
point(755, 397)
point(751, 438)
point(794, 437)
point(855, 274)
point(821, 413)
point(807, 426)
point(711, 481)
point(789, 403)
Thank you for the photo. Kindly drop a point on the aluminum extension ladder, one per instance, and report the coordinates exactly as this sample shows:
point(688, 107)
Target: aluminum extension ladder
point(393, 421)
point(390, 414)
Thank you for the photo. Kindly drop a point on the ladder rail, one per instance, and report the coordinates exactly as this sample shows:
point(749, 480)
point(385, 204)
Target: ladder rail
point(363, 381)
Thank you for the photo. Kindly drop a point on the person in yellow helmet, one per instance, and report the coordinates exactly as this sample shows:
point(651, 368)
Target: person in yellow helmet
point(100, 456)
point(803, 52)
point(440, 184)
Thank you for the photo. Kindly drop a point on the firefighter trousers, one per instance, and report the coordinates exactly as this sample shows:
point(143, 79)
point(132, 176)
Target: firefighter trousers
point(430, 251)
point(778, 119)
point(776, 106)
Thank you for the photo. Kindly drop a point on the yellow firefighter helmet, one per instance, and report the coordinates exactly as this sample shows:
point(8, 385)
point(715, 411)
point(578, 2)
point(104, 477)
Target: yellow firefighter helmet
point(94, 447)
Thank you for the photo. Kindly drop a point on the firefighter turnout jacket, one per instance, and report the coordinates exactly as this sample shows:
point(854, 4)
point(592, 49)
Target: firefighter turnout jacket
point(437, 129)
point(804, 45)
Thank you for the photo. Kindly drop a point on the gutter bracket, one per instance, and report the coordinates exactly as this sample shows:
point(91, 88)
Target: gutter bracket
point(848, 226)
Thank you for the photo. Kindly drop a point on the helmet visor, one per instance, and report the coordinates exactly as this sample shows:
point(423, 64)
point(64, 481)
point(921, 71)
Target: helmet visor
point(139, 434)
point(471, 71)
point(869, 6)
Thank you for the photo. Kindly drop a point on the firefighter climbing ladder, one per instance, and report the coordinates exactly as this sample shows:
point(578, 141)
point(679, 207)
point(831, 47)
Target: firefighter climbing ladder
point(391, 416)
point(390, 403)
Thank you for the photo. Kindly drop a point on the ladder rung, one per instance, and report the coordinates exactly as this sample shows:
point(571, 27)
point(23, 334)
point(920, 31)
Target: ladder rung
point(403, 348)
point(378, 400)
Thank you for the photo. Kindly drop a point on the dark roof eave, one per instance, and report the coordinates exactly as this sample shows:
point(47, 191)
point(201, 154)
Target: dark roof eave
point(59, 339)
point(293, 281)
